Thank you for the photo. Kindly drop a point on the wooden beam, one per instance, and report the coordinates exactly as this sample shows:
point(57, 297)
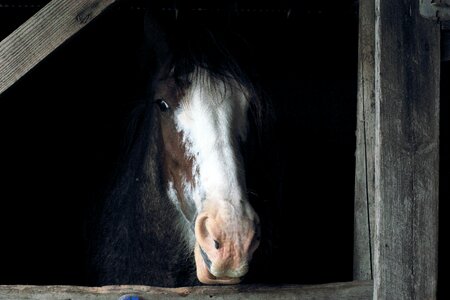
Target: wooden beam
point(346, 290)
point(406, 151)
point(42, 33)
point(365, 139)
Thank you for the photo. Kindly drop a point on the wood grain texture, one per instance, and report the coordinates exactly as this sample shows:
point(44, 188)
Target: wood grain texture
point(346, 290)
point(365, 138)
point(42, 33)
point(406, 158)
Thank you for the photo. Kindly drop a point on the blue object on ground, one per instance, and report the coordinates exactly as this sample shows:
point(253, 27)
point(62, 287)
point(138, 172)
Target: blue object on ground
point(129, 297)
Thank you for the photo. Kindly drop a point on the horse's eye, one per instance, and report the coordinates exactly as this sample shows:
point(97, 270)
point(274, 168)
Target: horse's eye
point(162, 104)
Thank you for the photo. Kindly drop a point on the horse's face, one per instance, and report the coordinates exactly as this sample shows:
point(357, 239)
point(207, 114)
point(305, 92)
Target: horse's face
point(201, 125)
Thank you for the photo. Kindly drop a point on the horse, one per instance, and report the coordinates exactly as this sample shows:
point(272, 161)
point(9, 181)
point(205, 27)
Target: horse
point(179, 213)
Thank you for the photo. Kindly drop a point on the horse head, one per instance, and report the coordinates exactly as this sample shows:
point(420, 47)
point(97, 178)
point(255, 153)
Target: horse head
point(202, 100)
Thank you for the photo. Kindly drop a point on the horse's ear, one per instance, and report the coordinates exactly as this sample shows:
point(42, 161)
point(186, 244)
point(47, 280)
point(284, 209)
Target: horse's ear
point(156, 43)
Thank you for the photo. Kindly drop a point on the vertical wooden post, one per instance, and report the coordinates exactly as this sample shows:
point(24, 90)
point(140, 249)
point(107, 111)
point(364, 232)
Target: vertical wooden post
point(365, 138)
point(397, 157)
point(406, 151)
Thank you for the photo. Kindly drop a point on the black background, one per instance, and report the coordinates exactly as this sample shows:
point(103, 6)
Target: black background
point(62, 126)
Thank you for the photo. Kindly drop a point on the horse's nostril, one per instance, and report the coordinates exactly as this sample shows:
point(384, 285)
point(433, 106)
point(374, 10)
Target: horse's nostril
point(216, 244)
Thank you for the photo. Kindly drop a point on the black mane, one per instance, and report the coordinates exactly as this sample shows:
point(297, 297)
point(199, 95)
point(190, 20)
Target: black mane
point(222, 55)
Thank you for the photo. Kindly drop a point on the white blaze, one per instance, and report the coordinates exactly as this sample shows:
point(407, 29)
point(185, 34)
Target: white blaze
point(210, 128)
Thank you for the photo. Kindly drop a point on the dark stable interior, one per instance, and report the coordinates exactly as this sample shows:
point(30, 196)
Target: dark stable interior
point(62, 126)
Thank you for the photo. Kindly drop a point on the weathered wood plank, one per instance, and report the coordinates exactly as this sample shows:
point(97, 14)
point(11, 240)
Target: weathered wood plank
point(365, 135)
point(344, 290)
point(407, 66)
point(42, 33)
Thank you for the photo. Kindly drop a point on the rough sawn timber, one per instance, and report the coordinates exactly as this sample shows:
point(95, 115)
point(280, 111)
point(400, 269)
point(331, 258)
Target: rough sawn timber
point(345, 290)
point(406, 151)
point(364, 220)
point(29, 44)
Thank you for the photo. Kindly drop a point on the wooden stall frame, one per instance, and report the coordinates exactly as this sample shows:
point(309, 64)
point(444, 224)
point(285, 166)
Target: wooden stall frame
point(34, 40)
point(397, 171)
point(396, 184)
point(355, 290)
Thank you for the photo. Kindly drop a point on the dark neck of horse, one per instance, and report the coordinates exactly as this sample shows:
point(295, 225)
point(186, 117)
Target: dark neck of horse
point(139, 243)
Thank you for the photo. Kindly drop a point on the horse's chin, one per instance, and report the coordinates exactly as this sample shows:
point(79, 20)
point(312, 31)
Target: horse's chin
point(205, 277)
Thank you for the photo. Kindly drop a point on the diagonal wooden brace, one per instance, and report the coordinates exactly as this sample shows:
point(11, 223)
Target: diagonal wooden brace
point(42, 33)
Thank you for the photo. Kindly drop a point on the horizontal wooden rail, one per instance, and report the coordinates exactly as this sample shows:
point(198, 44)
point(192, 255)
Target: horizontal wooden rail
point(342, 291)
point(42, 33)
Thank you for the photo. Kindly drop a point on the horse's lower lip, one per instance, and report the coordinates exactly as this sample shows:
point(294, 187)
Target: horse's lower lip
point(213, 279)
point(205, 276)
